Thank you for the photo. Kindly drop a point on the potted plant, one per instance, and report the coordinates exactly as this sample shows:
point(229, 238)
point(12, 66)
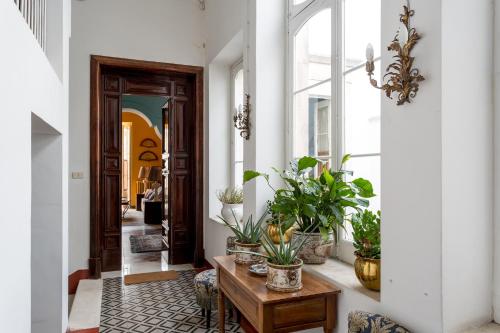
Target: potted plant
point(316, 204)
point(284, 267)
point(278, 223)
point(232, 204)
point(248, 239)
point(366, 236)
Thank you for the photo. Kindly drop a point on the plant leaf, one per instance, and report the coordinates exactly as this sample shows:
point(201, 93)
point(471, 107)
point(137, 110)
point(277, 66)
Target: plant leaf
point(306, 162)
point(364, 187)
point(248, 175)
point(346, 158)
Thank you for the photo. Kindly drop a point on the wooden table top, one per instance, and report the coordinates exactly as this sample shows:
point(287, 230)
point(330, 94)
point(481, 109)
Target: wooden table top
point(256, 285)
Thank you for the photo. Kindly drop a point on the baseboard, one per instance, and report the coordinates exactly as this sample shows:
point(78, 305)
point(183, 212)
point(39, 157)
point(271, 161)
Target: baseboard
point(74, 278)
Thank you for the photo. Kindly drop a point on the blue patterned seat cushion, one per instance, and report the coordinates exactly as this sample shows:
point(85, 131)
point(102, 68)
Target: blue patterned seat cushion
point(364, 322)
point(205, 287)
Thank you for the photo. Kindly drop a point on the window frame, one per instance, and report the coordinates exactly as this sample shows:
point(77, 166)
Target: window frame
point(234, 70)
point(298, 16)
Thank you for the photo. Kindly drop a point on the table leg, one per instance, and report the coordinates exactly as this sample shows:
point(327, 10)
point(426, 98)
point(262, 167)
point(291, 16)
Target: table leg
point(222, 311)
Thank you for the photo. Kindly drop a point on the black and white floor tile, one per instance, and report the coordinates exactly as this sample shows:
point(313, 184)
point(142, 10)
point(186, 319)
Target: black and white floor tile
point(155, 307)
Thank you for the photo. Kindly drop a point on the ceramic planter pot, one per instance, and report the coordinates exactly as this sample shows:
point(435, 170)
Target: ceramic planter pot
point(274, 233)
point(368, 272)
point(284, 278)
point(244, 258)
point(316, 249)
point(227, 213)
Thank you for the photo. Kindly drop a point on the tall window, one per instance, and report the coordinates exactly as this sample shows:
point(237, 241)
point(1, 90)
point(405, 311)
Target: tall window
point(237, 100)
point(333, 108)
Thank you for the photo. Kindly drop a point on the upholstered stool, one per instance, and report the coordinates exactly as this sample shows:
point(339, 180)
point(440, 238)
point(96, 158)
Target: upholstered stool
point(364, 322)
point(205, 287)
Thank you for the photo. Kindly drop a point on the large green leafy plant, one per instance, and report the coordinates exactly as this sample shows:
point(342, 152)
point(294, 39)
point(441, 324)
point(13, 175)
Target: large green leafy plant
point(250, 232)
point(316, 204)
point(366, 234)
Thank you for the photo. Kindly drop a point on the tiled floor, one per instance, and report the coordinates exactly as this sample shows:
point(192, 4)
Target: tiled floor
point(155, 307)
point(133, 263)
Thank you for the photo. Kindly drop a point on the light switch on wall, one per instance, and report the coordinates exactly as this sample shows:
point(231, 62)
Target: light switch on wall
point(77, 175)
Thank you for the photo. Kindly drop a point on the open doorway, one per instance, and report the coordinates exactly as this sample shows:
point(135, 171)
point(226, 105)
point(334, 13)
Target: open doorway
point(143, 188)
point(172, 161)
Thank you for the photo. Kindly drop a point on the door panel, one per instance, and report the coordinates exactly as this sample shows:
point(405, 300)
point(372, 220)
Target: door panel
point(111, 156)
point(182, 223)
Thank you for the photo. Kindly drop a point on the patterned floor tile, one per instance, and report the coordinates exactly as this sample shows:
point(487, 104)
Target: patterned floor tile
point(155, 307)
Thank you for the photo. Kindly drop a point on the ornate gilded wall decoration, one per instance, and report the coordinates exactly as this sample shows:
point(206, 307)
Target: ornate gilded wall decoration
point(148, 156)
point(400, 77)
point(242, 119)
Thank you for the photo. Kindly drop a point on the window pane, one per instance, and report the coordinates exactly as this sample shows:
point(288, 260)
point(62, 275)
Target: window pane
point(238, 146)
point(368, 168)
point(312, 51)
point(238, 89)
point(362, 26)
point(298, 2)
point(312, 122)
point(238, 174)
point(361, 113)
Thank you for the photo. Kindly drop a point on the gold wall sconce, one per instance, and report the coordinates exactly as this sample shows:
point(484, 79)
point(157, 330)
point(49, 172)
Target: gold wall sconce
point(400, 77)
point(242, 119)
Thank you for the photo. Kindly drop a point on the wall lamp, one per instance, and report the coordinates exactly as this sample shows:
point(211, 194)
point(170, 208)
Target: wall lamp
point(400, 77)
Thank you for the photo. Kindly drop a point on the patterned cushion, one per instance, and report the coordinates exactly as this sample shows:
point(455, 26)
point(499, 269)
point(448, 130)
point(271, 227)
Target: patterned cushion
point(205, 287)
point(364, 322)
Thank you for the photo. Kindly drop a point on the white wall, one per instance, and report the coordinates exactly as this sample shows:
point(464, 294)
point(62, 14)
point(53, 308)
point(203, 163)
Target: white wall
point(47, 276)
point(496, 86)
point(467, 156)
point(29, 85)
point(223, 31)
point(159, 30)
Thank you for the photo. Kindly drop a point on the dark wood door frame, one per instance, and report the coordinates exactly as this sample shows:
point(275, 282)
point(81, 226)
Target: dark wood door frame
point(97, 65)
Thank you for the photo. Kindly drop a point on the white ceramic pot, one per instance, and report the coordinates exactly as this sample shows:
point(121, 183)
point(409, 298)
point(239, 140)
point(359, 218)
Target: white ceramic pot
point(284, 278)
point(227, 212)
point(316, 249)
point(244, 258)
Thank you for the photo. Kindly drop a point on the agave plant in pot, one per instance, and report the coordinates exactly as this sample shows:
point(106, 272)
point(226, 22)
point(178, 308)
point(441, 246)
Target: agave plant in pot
point(366, 236)
point(248, 239)
point(284, 267)
point(318, 205)
point(232, 204)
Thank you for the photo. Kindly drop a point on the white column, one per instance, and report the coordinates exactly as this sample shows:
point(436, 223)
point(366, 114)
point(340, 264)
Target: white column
point(264, 61)
point(467, 162)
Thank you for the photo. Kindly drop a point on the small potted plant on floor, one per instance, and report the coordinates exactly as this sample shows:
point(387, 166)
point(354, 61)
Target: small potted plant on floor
point(317, 204)
point(366, 236)
point(248, 239)
point(232, 204)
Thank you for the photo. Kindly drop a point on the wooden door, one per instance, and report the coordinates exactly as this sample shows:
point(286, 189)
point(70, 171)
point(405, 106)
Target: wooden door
point(110, 78)
point(111, 173)
point(182, 228)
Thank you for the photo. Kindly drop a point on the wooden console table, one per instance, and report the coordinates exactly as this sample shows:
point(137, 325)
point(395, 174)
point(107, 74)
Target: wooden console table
point(269, 311)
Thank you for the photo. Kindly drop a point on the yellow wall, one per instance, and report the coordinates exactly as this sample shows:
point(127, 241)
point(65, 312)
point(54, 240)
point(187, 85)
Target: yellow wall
point(140, 130)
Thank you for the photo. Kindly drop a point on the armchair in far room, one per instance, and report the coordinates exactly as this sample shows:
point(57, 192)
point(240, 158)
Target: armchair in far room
point(151, 206)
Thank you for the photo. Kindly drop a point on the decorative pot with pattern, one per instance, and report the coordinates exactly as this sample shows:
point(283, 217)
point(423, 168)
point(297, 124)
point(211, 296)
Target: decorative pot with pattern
point(228, 210)
point(245, 258)
point(285, 279)
point(316, 249)
point(274, 232)
point(368, 272)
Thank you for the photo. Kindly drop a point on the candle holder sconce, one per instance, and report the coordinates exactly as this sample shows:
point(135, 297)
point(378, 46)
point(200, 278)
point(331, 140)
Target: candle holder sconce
point(242, 119)
point(400, 77)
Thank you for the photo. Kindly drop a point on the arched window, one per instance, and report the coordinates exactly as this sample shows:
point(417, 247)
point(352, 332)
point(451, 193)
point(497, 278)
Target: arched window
point(332, 108)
